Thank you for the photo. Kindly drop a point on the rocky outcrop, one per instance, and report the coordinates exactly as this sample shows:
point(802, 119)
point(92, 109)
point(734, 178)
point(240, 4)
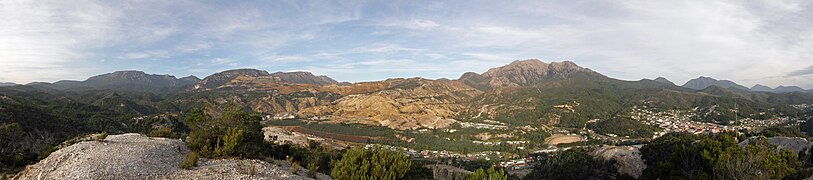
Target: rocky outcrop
point(795, 144)
point(135, 156)
point(628, 159)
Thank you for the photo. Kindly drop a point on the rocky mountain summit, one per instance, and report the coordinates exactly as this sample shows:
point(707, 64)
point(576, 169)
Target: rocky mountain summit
point(135, 156)
point(524, 72)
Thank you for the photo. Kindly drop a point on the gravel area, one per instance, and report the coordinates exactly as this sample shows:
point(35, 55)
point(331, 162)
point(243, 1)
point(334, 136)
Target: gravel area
point(135, 156)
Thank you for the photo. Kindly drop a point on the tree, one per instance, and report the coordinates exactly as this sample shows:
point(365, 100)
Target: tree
point(673, 156)
point(377, 163)
point(719, 156)
point(234, 133)
point(573, 164)
point(491, 174)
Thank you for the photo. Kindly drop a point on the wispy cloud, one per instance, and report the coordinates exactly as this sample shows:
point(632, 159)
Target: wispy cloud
point(801, 72)
point(746, 41)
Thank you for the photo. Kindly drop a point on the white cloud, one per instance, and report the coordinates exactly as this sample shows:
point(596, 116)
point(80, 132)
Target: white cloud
point(42, 40)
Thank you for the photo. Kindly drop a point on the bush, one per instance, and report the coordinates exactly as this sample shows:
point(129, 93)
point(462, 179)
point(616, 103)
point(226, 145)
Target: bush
point(234, 133)
point(718, 156)
point(101, 137)
point(377, 163)
point(313, 167)
point(491, 174)
point(574, 163)
point(162, 132)
point(295, 167)
point(189, 161)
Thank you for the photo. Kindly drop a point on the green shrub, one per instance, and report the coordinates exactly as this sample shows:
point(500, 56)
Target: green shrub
point(295, 167)
point(575, 163)
point(101, 137)
point(491, 174)
point(189, 161)
point(313, 167)
point(162, 132)
point(234, 133)
point(377, 163)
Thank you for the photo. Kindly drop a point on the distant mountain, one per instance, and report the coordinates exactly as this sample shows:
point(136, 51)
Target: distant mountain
point(222, 78)
point(704, 82)
point(762, 88)
point(664, 80)
point(123, 80)
point(218, 79)
point(304, 78)
point(780, 89)
point(6, 84)
point(786, 89)
point(525, 72)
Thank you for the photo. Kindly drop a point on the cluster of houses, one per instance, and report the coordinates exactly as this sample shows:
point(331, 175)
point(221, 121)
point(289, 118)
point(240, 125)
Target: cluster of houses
point(481, 125)
point(679, 121)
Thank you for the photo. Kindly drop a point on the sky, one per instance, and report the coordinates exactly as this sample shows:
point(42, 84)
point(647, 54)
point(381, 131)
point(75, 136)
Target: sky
point(750, 42)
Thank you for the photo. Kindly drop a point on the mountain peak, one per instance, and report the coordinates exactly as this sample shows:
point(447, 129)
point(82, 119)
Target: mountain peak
point(704, 82)
point(761, 88)
point(786, 89)
point(522, 72)
point(304, 77)
point(663, 80)
point(297, 77)
point(220, 78)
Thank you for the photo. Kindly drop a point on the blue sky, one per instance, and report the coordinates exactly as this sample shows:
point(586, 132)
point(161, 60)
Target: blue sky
point(765, 42)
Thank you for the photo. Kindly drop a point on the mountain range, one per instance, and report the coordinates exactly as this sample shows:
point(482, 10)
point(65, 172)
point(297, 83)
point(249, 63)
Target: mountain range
point(523, 92)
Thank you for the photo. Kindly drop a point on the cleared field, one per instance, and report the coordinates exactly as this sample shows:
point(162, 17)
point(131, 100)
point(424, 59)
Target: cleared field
point(561, 139)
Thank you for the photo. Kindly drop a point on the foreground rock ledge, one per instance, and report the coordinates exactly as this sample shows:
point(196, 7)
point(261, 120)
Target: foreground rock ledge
point(135, 156)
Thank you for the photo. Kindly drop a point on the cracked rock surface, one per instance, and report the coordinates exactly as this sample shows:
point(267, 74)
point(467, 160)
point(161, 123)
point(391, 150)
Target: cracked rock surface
point(135, 156)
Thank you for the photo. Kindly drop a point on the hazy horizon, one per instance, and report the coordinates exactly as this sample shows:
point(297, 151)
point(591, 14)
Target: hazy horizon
point(768, 43)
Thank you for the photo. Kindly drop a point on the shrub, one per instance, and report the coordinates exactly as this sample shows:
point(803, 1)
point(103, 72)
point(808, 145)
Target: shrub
point(574, 163)
point(101, 137)
point(377, 163)
point(295, 167)
point(491, 174)
point(234, 133)
point(313, 167)
point(161, 132)
point(190, 160)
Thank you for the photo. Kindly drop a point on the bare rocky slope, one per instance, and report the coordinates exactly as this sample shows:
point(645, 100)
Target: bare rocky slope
point(135, 156)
